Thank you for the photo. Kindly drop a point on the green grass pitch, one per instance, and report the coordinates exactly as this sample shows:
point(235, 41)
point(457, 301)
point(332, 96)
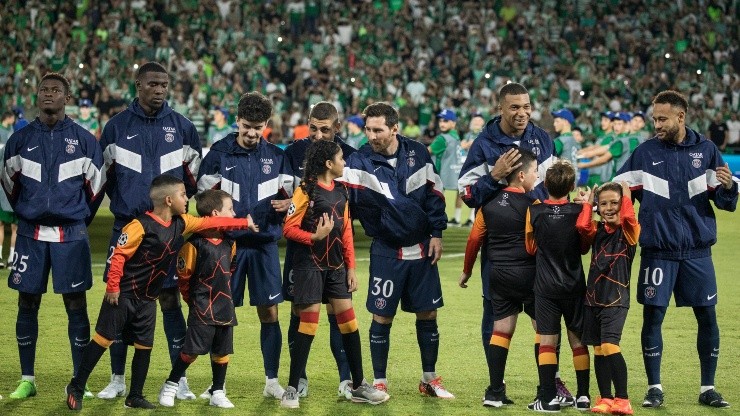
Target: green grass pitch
point(461, 361)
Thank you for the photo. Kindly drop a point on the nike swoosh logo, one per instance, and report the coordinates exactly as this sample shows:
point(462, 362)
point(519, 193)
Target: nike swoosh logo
point(77, 284)
point(711, 297)
point(715, 349)
point(651, 348)
point(658, 163)
point(230, 167)
point(437, 300)
point(376, 336)
point(271, 297)
point(80, 340)
point(130, 137)
point(31, 148)
point(376, 169)
point(178, 339)
point(20, 338)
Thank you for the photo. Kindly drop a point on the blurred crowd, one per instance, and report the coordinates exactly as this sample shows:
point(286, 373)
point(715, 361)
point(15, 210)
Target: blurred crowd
point(422, 55)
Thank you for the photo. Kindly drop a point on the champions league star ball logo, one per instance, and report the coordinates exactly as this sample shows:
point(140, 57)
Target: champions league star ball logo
point(70, 149)
point(291, 290)
point(16, 278)
point(169, 137)
point(649, 292)
point(180, 263)
point(266, 169)
point(380, 303)
point(291, 209)
point(123, 239)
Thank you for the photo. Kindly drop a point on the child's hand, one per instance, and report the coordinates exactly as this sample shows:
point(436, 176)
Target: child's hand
point(112, 298)
point(326, 224)
point(585, 195)
point(626, 189)
point(252, 225)
point(463, 282)
point(351, 280)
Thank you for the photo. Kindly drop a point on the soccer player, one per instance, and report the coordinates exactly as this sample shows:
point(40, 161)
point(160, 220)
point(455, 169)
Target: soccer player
point(566, 146)
point(86, 119)
point(500, 223)
point(397, 196)
point(323, 124)
point(324, 267)
point(147, 139)
point(220, 126)
point(135, 282)
point(445, 150)
point(257, 176)
point(559, 284)
point(492, 157)
point(613, 241)
point(204, 277)
point(679, 229)
point(52, 177)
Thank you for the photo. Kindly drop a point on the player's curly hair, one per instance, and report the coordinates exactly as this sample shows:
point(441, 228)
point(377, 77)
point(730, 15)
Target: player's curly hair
point(315, 164)
point(255, 107)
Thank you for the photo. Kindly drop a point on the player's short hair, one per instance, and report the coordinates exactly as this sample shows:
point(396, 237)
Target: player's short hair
point(512, 88)
point(609, 186)
point(324, 110)
point(382, 109)
point(560, 178)
point(209, 200)
point(254, 106)
point(674, 98)
point(58, 77)
point(162, 187)
point(150, 67)
point(526, 158)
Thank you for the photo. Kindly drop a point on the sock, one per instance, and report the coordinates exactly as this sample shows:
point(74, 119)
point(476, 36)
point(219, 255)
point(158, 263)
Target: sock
point(427, 335)
point(617, 367)
point(380, 338)
point(174, 331)
point(218, 369)
point(537, 349)
point(707, 342)
point(10, 255)
point(271, 341)
point(602, 370)
point(652, 341)
point(179, 367)
point(704, 389)
point(582, 363)
point(118, 352)
point(458, 214)
point(486, 328)
point(347, 326)
point(295, 320)
point(548, 365)
point(90, 357)
point(302, 346)
point(337, 347)
point(139, 370)
point(498, 351)
point(557, 355)
point(27, 333)
point(78, 330)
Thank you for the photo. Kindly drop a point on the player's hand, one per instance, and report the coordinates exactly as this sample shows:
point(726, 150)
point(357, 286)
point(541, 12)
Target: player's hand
point(724, 176)
point(351, 280)
point(326, 224)
point(112, 298)
point(463, 282)
point(280, 205)
point(252, 225)
point(626, 189)
point(506, 164)
point(584, 195)
point(435, 249)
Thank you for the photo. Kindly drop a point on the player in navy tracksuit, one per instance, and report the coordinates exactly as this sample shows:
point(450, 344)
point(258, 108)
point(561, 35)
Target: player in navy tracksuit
point(491, 158)
point(674, 176)
point(52, 176)
point(323, 124)
point(147, 139)
point(257, 176)
point(397, 196)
